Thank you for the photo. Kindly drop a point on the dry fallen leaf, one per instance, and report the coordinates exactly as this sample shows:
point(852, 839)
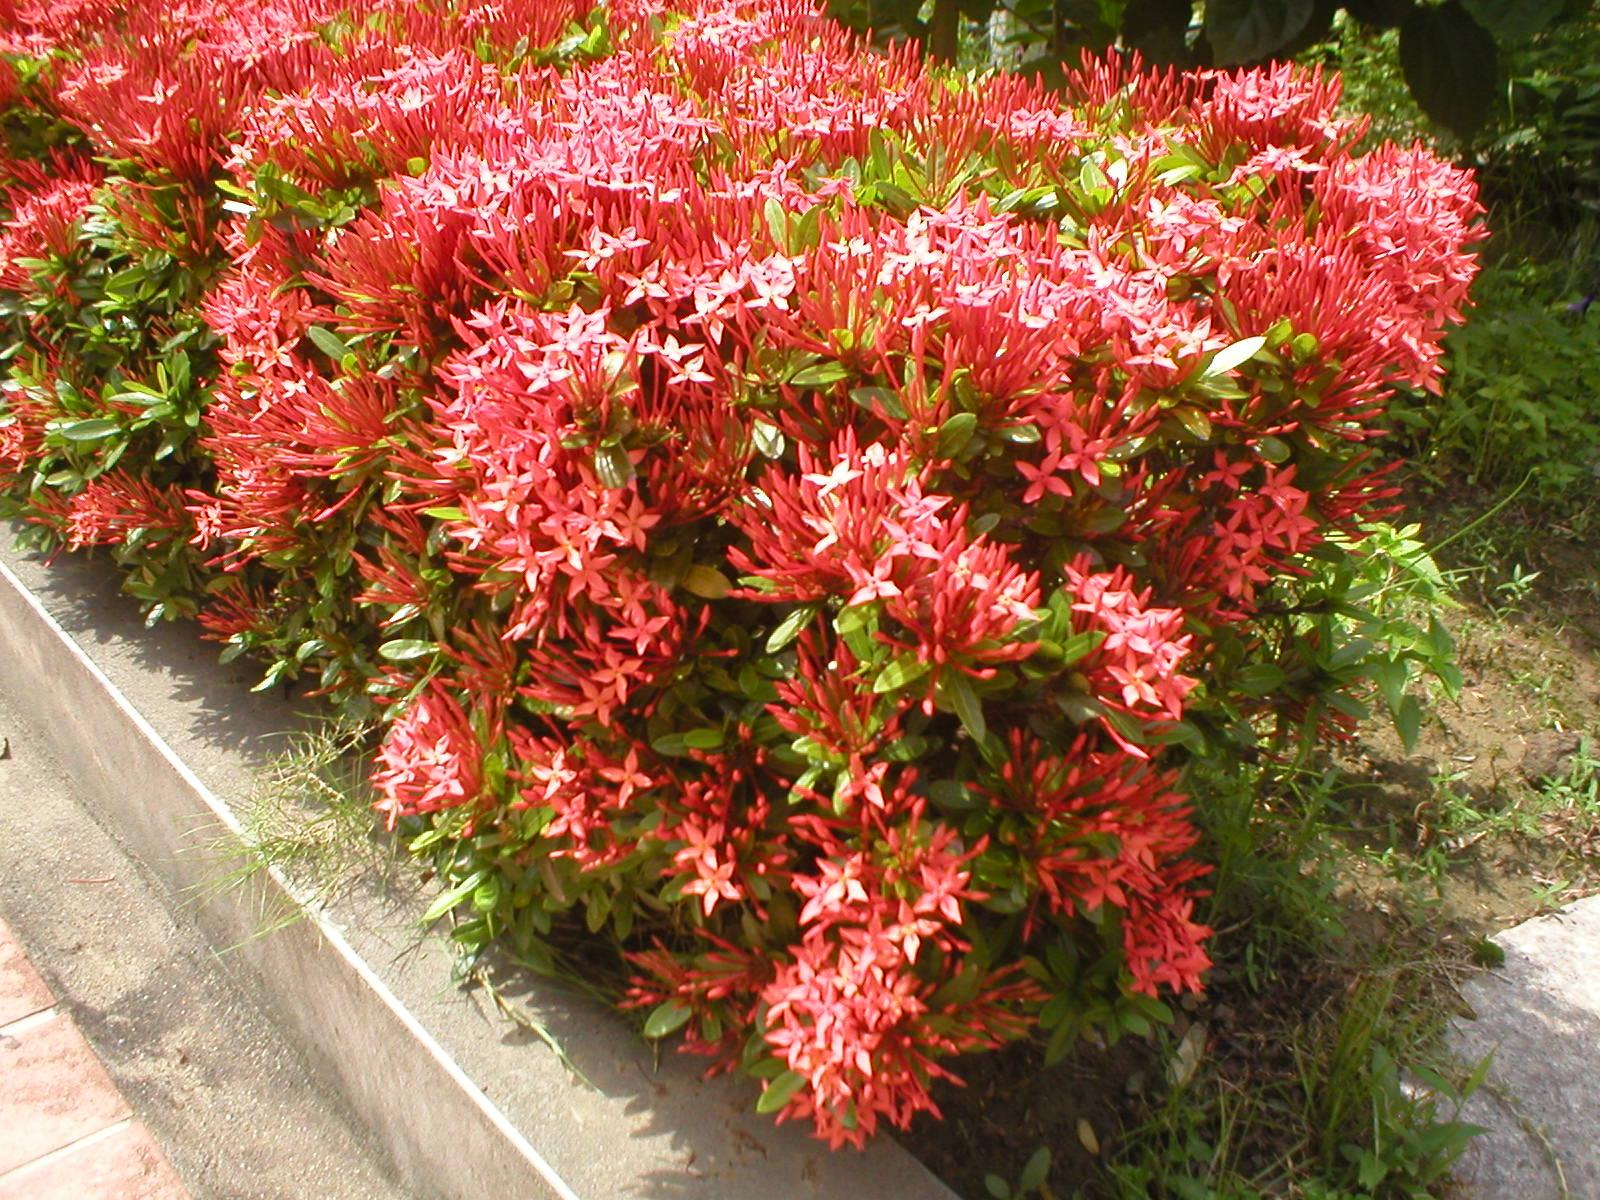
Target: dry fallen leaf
point(1086, 1135)
point(1187, 1058)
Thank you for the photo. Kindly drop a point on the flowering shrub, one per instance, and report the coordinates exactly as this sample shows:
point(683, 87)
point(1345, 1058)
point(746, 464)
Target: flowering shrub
point(792, 510)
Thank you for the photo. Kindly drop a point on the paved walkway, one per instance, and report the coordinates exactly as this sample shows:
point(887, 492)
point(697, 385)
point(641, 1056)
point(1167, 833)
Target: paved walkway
point(68, 1133)
point(1539, 1015)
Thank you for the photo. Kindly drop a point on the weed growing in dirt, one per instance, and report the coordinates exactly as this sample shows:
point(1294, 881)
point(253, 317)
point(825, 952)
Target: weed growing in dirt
point(1325, 1008)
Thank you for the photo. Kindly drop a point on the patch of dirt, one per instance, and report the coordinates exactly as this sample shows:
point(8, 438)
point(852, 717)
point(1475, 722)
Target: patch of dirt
point(1012, 1104)
point(1466, 797)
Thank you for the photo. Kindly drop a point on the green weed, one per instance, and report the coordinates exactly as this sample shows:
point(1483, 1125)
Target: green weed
point(309, 817)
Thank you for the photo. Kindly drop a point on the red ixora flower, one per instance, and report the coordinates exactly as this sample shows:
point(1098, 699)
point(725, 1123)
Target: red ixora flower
point(785, 503)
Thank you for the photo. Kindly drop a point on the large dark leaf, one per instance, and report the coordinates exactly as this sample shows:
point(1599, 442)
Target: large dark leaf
point(1380, 14)
point(1242, 31)
point(1451, 65)
point(1514, 19)
point(1158, 29)
point(1315, 30)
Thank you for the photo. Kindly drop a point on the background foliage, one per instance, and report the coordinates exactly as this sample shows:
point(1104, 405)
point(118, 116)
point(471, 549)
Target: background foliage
point(1450, 53)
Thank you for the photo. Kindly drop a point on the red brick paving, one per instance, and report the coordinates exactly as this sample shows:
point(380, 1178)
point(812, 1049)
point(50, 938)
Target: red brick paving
point(22, 992)
point(119, 1163)
point(69, 1135)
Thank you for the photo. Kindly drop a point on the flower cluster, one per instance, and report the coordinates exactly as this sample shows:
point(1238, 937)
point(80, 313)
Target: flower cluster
point(787, 507)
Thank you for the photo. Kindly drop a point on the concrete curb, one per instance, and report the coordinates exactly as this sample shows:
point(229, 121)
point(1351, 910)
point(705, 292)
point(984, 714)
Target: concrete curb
point(158, 736)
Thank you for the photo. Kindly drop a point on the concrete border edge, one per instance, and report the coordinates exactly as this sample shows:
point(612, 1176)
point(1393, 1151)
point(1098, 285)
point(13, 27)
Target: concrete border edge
point(81, 693)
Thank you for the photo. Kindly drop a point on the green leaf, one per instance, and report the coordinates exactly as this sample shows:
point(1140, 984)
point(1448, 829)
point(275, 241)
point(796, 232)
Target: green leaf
point(1080, 644)
point(768, 439)
point(1390, 675)
point(1196, 421)
point(407, 649)
point(953, 794)
point(329, 342)
point(1242, 31)
point(997, 1187)
point(879, 399)
point(706, 582)
point(1034, 1174)
point(1260, 679)
point(703, 739)
point(1025, 434)
point(955, 433)
point(613, 467)
point(777, 223)
point(447, 900)
point(1451, 64)
point(966, 703)
point(1408, 721)
point(1230, 357)
point(820, 375)
point(673, 745)
point(790, 628)
point(903, 669)
point(1514, 20)
point(1274, 450)
point(667, 1018)
point(780, 1091)
point(92, 430)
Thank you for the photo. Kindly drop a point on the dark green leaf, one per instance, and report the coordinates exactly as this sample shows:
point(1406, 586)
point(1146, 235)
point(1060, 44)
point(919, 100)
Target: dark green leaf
point(1514, 19)
point(1274, 450)
point(667, 1018)
point(1390, 675)
point(1380, 14)
point(904, 669)
point(1451, 65)
point(1022, 435)
point(780, 1091)
point(1408, 721)
point(706, 582)
point(1259, 679)
point(1242, 31)
point(951, 793)
point(789, 628)
point(966, 703)
point(94, 429)
point(406, 649)
point(448, 899)
point(955, 433)
point(328, 342)
point(1195, 421)
point(879, 400)
point(673, 745)
point(1034, 1174)
point(820, 375)
point(1158, 29)
point(613, 467)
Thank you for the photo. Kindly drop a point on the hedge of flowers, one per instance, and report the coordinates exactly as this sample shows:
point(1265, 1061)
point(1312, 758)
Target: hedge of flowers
point(792, 510)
